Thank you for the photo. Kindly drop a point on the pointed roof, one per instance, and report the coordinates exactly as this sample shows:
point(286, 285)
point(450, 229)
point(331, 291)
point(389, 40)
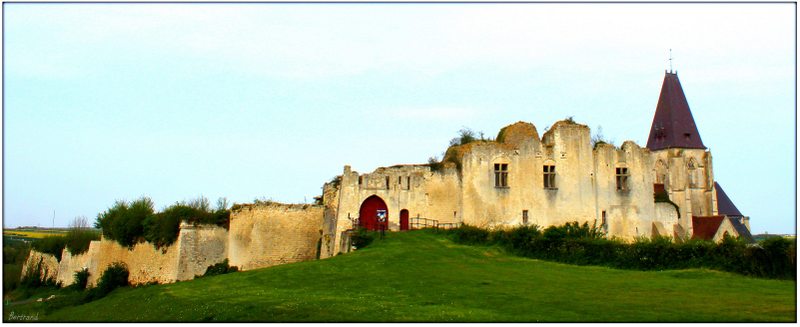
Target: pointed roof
point(724, 204)
point(673, 125)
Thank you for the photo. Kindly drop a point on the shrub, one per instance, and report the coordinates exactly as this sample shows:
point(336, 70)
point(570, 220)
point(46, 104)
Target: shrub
point(467, 234)
point(81, 278)
point(115, 276)
point(220, 268)
point(53, 245)
point(78, 240)
point(580, 244)
point(361, 238)
point(36, 277)
point(124, 222)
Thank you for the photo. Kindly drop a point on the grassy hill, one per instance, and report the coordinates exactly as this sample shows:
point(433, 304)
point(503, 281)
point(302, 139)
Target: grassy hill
point(421, 276)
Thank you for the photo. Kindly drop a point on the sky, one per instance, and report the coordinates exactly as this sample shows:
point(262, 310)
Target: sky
point(106, 102)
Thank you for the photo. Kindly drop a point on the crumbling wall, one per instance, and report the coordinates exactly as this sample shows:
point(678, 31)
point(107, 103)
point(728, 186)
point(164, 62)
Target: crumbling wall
point(48, 267)
point(263, 235)
point(200, 246)
point(72, 263)
point(145, 263)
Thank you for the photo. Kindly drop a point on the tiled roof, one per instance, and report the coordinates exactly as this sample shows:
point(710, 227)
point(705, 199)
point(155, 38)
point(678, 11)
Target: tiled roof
point(724, 203)
point(705, 227)
point(673, 125)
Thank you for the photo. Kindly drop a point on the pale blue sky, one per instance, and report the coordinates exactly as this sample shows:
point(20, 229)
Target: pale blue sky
point(115, 101)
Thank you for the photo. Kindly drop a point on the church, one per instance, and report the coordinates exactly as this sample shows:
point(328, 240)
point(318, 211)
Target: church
point(666, 188)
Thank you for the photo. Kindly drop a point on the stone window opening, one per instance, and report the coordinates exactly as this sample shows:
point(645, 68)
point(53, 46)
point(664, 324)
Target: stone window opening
point(501, 175)
point(408, 182)
point(360, 180)
point(604, 222)
point(524, 217)
point(550, 177)
point(622, 179)
point(387, 182)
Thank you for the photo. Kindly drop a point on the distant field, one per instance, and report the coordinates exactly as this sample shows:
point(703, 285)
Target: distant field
point(421, 276)
point(34, 233)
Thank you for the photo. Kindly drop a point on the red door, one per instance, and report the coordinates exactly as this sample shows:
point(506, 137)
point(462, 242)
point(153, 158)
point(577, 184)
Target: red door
point(370, 209)
point(404, 219)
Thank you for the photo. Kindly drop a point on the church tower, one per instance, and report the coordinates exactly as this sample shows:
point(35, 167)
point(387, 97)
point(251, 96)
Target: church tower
point(682, 164)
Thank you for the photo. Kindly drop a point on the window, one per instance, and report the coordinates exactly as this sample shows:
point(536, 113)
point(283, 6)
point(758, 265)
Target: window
point(549, 176)
point(500, 175)
point(524, 217)
point(360, 180)
point(604, 223)
point(622, 179)
point(408, 182)
point(387, 182)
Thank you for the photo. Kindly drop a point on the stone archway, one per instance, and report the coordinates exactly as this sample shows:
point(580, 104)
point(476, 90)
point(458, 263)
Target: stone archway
point(370, 209)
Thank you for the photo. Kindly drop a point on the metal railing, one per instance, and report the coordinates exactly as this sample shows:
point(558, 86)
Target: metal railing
point(449, 225)
point(419, 223)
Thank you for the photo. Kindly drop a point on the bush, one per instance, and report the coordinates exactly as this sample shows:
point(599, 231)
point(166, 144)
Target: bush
point(124, 222)
point(361, 238)
point(52, 245)
point(36, 277)
point(81, 279)
point(581, 244)
point(467, 234)
point(78, 240)
point(131, 223)
point(220, 268)
point(115, 276)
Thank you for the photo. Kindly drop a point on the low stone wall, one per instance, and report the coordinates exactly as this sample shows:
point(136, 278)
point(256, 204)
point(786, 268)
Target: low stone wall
point(265, 235)
point(260, 236)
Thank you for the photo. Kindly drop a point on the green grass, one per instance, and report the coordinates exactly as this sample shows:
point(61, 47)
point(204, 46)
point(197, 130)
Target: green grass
point(421, 276)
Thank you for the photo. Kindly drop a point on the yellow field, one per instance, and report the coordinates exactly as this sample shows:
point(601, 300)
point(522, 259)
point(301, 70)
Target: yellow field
point(34, 234)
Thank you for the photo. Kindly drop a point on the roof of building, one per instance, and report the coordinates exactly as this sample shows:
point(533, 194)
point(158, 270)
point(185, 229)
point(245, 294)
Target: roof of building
point(741, 229)
point(705, 227)
point(673, 124)
point(724, 203)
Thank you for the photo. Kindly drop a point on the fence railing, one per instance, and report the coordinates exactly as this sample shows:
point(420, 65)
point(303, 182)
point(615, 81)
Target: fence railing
point(415, 223)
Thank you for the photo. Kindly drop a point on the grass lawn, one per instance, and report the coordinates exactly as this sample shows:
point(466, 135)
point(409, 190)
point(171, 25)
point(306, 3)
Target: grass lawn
point(421, 276)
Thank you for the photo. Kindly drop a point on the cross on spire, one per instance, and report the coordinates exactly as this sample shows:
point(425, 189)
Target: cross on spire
point(670, 60)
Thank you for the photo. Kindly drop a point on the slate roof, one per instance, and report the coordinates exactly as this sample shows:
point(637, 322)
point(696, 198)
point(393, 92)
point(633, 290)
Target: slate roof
point(673, 125)
point(742, 229)
point(705, 227)
point(724, 203)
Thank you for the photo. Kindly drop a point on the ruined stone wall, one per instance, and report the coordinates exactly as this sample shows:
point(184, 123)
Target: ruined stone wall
point(264, 235)
point(48, 267)
point(196, 248)
point(200, 246)
point(73, 263)
point(566, 146)
point(689, 182)
point(585, 186)
point(629, 209)
point(145, 263)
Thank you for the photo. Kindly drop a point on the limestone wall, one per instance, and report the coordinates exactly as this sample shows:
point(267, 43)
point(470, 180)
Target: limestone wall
point(199, 247)
point(585, 187)
point(688, 177)
point(145, 263)
point(49, 264)
point(268, 235)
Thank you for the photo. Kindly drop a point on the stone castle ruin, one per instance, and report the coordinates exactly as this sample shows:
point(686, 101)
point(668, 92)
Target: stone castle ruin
point(666, 188)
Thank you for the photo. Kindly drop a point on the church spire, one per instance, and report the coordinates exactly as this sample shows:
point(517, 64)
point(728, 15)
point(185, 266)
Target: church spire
point(673, 125)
